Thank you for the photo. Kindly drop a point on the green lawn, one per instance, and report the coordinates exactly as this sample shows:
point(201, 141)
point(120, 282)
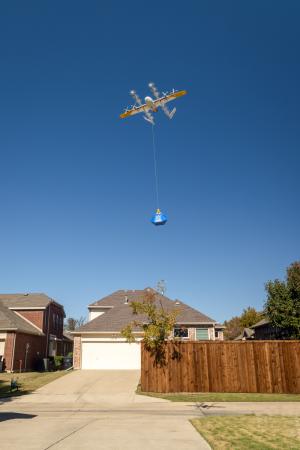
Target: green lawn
point(224, 397)
point(30, 381)
point(250, 432)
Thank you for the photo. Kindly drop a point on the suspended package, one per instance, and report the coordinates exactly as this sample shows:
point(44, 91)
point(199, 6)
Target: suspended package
point(159, 218)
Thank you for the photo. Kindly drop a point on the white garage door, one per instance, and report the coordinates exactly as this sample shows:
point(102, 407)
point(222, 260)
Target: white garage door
point(111, 355)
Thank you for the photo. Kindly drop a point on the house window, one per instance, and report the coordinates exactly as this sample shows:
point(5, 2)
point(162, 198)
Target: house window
point(202, 334)
point(216, 334)
point(181, 332)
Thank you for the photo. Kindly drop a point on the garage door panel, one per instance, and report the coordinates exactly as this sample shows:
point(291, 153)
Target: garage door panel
point(111, 355)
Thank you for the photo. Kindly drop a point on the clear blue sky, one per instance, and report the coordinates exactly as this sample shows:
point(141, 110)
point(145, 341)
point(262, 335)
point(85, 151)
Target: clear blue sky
point(77, 188)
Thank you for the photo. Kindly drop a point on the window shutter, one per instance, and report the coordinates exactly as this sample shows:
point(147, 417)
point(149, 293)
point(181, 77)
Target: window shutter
point(202, 334)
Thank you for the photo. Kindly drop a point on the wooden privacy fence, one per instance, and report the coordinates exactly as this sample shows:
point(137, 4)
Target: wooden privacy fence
point(256, 366)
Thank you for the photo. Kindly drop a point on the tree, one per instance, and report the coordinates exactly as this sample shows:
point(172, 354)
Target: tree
point(156, 323)
point(161, 287)
point(71, 323)
point(249, 317)
point(235, 326)
point(283, 301)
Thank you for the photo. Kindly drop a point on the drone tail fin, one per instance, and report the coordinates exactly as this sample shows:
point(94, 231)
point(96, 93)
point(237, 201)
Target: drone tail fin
point(172, 113)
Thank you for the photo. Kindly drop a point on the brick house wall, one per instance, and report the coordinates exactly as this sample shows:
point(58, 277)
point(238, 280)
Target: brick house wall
point(49, 320)
point(35, 317)
point(77, 352)
point(15, 351)
point(8, 351)
point(36, 350)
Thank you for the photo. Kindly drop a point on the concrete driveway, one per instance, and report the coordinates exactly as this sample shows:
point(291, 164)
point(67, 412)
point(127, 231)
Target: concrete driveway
point(101, 387)
point(96, 410)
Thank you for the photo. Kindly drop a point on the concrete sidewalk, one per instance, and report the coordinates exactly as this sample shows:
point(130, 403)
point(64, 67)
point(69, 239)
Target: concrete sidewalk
point(97, 409)
point(135, 427)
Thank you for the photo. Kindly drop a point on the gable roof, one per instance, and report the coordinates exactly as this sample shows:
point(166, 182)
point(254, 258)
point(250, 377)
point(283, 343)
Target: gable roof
point(247, 333)
point(261, 323)
point(10, 320)
point(31, 300)
point(120, 314)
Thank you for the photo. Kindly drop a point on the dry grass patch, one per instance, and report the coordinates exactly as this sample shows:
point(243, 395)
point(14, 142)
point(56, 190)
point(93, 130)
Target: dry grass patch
point(29, 381)
point(250, 432)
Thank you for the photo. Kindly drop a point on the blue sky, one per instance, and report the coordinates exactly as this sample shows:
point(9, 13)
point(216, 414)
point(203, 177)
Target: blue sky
point(77, 186)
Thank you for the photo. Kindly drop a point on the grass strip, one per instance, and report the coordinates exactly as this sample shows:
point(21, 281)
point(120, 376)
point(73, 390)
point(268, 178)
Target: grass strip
point(223, 397)
point(250, 432)
point(29, 381)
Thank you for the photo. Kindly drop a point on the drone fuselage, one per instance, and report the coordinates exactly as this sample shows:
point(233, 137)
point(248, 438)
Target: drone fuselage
point(150, 103)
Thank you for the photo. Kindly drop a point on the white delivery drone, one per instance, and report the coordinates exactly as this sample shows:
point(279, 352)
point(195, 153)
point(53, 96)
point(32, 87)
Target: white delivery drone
point(151, 105)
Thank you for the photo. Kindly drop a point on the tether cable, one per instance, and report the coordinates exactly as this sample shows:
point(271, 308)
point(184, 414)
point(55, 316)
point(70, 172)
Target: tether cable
point(155, 166)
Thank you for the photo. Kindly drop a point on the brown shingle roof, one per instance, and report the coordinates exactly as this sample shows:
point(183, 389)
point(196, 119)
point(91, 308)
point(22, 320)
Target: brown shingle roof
point(31, 300)
point(116, 318)
point(262, 322)
point(247, 333)
point(10, 320)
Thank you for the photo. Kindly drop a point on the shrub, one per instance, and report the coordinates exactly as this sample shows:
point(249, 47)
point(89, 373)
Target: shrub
point(58, 361)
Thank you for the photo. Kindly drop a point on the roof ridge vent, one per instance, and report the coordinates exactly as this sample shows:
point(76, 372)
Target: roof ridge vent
point(177, 302)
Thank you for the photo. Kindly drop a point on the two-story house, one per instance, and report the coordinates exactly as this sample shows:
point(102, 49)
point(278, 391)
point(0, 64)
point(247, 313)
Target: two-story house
point(31, 328)
point(99, 344)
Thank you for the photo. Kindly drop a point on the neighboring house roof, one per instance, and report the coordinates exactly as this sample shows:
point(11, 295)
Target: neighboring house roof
point(261, 323)
point(120, 313)
point(30, 300)
point(247, 333)
point(10, 320)
point(68, 336)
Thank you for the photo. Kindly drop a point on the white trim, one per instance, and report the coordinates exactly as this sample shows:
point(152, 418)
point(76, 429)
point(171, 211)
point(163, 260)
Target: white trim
point(27, 308)
point(19, 330)
point(10, 329)
point(102, 332)
point(28, 321)
point(115, 339)
point(181, 337)
point(196, 323)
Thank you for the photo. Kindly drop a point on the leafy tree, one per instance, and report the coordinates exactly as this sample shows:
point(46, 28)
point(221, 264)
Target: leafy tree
point(156, 323)
point(71, 323)
point(283, 301)
point(235, 326)
point(249, 317)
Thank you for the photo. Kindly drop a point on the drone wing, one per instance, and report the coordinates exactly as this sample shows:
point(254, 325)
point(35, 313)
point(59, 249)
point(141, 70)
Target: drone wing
point(132, 111)
point(138, 109)
point(161, 101)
